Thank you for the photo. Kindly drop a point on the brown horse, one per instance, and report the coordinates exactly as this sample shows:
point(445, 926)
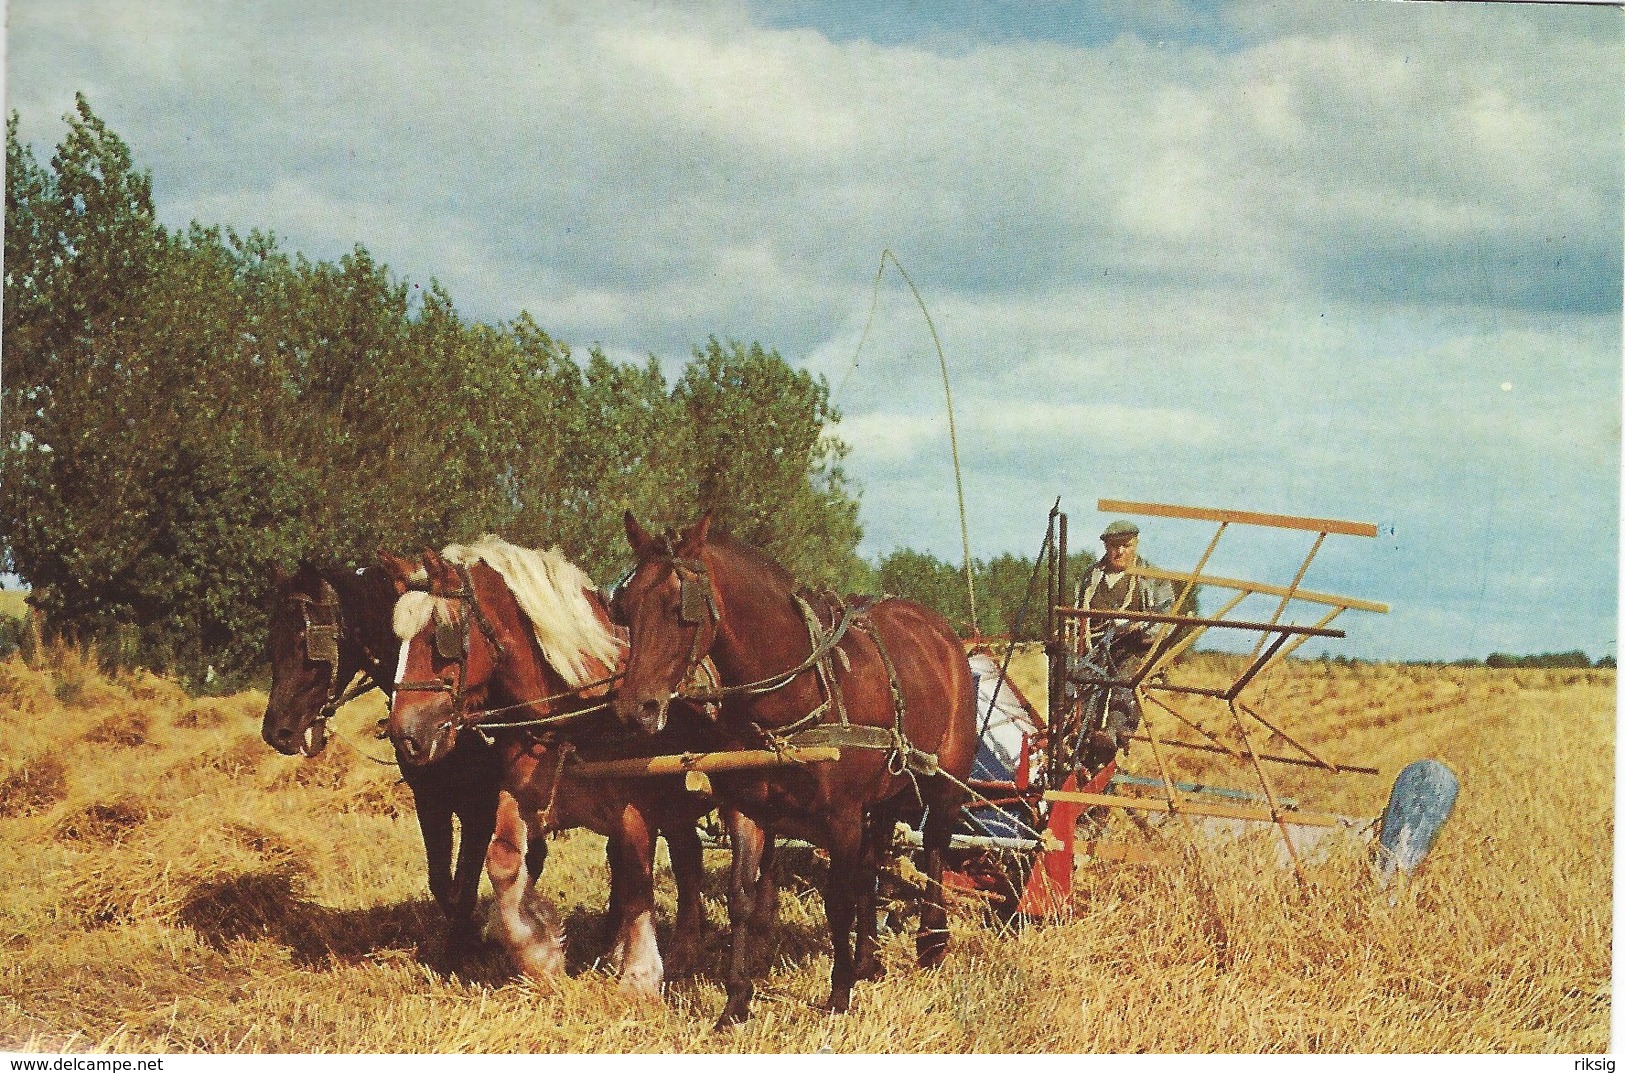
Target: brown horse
point(887, 682)
point(327, 626)
point(469, 651)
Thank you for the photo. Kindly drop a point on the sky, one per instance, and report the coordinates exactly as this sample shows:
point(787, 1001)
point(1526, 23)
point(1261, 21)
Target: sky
point(1351, 259)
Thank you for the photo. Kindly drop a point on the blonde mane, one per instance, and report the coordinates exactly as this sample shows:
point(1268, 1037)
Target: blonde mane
point(552, 592)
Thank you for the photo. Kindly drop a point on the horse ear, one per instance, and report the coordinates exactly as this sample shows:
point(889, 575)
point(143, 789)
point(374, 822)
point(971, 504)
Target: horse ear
point(438, 569)
point(397, 570)
point(694, 539)
point(637, 536)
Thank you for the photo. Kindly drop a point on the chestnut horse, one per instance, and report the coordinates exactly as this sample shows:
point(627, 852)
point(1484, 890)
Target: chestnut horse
point(328, 626)
point(887, 682)
point(468, 649)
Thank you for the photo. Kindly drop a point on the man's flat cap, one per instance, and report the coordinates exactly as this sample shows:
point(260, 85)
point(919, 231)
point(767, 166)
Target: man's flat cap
point(1120, 530)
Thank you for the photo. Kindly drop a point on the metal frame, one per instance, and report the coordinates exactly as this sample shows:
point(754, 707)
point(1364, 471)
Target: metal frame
point(1151, 682)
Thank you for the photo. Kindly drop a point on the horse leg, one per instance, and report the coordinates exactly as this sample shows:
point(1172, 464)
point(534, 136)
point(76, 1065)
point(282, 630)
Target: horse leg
point(847, 877)
point(536, 857)
point(434, 821)
point(637, 955)
point(765, 913)
point(745, 912)
point(525, 923)
point(688, 870)
point(479, 820)
point(931, 945)
point(877, 839)
point(613, 910)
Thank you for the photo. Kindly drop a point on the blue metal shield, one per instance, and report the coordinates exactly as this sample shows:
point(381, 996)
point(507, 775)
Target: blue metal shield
point(1421, 801)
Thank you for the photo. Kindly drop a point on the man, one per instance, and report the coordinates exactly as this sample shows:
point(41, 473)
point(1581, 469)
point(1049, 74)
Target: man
point(1107, 586)
point(1113, 648)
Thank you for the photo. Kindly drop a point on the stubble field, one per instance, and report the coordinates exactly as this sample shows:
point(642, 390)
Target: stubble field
point(173, 885)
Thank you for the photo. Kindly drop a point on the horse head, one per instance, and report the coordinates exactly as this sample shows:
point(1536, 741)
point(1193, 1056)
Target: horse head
point(669, 606)
point(306, 639)
point(450, 649)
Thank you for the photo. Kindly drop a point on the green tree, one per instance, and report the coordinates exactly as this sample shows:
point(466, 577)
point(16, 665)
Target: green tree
point(760, 456)
point(181, 411)
point(124, 412)
point(922, 577)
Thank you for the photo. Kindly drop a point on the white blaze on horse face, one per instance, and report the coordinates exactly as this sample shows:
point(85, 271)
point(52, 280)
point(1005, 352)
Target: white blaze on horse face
point(400, 665)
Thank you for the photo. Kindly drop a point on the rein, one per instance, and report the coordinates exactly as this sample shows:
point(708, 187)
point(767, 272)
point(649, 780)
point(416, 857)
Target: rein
point(689, 611)
point(445, 641)
point(810, 729)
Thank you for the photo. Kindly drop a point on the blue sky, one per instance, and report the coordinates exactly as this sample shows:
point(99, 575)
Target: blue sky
point(1342, 259)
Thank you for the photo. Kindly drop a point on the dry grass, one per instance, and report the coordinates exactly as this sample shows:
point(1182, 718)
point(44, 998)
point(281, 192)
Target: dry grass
point(172, 885)
point(13, 603)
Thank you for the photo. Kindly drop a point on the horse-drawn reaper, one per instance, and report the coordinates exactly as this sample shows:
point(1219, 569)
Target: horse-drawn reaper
point(1046, 781)
point(857, 724)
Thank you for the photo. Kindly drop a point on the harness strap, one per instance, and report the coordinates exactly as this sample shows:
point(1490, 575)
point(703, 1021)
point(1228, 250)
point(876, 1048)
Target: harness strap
point(822, 643)
point(855, 736)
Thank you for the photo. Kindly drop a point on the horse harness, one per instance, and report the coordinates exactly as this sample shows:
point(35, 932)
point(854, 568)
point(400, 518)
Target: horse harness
point(696, 607)
point(451, 640)
point(323, 616)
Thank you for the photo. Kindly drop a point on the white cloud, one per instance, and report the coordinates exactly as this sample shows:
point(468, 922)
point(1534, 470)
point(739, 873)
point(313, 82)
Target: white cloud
point(1286, 266)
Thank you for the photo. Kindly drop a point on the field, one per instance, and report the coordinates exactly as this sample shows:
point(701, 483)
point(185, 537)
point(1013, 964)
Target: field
point(13, 603)
point(173, 885)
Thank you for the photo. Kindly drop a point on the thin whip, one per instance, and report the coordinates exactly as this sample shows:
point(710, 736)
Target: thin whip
point(953, 433)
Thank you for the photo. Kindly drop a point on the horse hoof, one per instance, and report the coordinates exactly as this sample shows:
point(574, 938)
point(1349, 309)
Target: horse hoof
point(640, 989)
point(731, 1018)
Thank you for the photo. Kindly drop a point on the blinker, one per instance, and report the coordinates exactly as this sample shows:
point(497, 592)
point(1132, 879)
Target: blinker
point(694, 599)
point(322, 643)
point(448, 639)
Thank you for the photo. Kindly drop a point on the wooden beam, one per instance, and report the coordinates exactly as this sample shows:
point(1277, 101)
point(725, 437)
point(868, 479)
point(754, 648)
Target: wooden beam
point(1195, 808)
point(1241, 517)
point(1261, 588)
point(1191, 620)
point(1298, 761)
point(737, 760)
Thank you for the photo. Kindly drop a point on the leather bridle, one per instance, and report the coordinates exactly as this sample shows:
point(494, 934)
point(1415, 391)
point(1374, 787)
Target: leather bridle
point(451, 642)
point(324, 626)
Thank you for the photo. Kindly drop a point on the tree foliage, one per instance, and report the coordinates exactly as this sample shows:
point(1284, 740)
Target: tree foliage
point(184, 410)
point(1009, 591)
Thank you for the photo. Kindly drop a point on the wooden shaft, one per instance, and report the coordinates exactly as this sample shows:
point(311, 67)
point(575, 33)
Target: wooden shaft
point(1260, 587)
point(1177, 714)
point(1290, 740)
point(1269, 790)
point(1194, 808)
point(1191, 620)
point(1243, 517)
point(1163, 659)
point(1295, 760)
point(739, 760)
point(1174, 799)
point(1288, 649)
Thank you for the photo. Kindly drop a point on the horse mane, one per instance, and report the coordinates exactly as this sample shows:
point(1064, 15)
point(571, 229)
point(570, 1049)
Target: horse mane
point(552, 593)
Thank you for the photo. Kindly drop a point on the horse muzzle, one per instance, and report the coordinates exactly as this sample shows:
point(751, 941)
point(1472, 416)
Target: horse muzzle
point(648, 714)
point(307, 738)
point(426, 741)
